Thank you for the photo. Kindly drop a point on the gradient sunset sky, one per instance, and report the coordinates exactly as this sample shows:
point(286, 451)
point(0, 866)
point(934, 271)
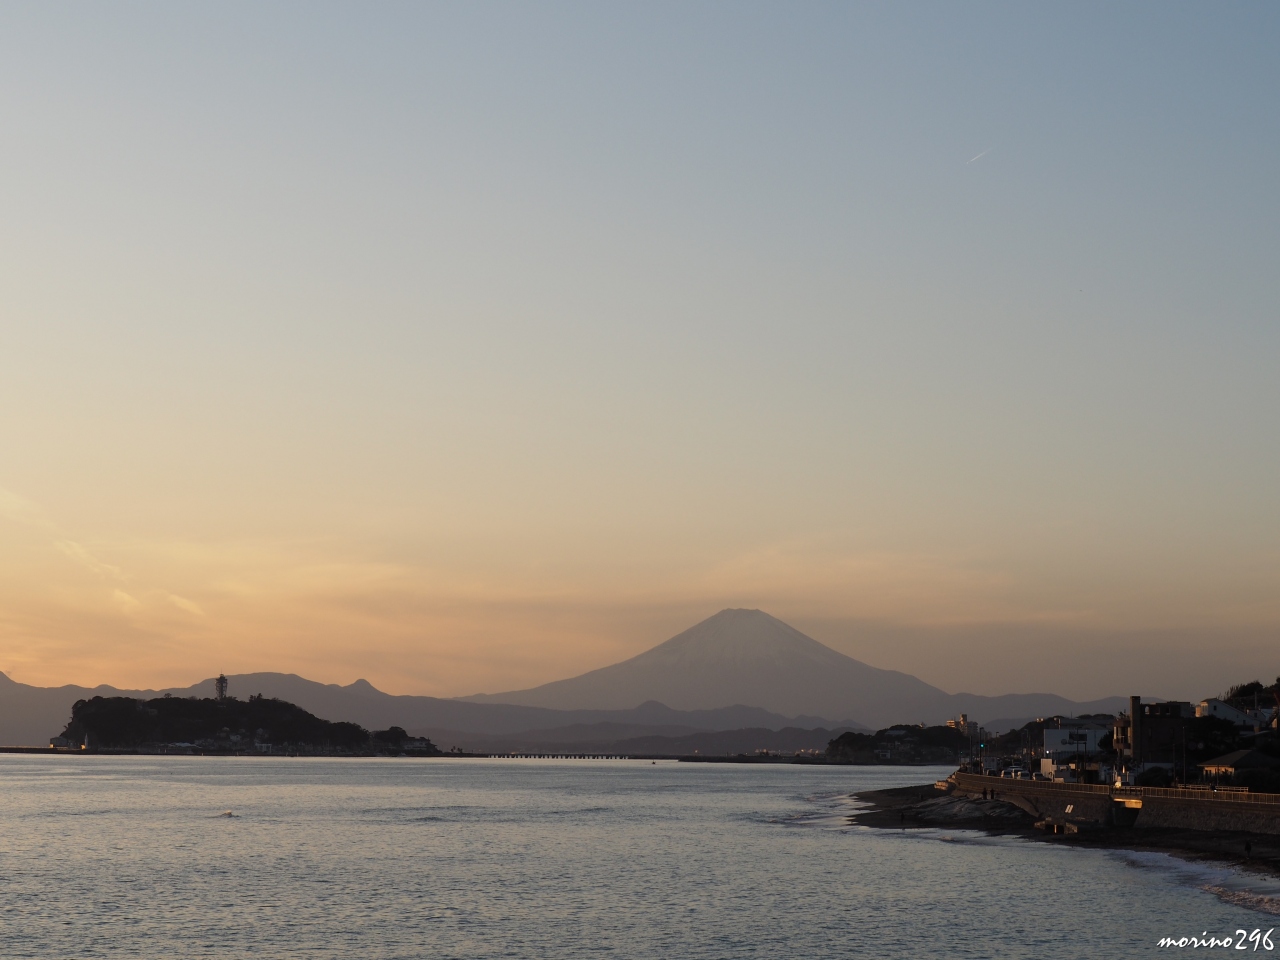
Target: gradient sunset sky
point(464, 347)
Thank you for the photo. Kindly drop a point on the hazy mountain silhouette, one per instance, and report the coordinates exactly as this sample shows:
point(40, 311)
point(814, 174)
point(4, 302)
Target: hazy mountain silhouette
point(738, 669)
point(747, 656)
point(31, 715)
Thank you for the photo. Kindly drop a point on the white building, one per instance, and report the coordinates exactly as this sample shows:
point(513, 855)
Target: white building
point(966, 726)
point(1062, 742)
point(1225, 711)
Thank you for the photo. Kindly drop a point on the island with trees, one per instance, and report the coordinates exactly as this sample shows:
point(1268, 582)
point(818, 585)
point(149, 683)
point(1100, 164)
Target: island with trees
point(226, 725)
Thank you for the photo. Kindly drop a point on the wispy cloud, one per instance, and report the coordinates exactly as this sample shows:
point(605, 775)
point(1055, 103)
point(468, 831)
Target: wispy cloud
point(148, 598)
point(14, 507)
point(182, 603)
point(82, 556)
point(126, 602)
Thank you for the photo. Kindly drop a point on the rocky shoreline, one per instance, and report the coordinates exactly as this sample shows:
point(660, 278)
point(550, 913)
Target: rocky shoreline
point(924, 806)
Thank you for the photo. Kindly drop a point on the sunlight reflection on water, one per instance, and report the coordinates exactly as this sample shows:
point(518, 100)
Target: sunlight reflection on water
point(273, 857)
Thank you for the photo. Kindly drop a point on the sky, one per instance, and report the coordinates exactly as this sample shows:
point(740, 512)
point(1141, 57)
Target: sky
point(465, 347)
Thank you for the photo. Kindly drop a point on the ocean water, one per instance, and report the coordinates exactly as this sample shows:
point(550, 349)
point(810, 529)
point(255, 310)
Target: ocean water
point(317, 858)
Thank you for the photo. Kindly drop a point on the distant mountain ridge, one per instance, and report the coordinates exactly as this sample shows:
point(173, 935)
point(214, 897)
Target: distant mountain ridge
point(30, 715)
point(737, 670)
point(747, 656)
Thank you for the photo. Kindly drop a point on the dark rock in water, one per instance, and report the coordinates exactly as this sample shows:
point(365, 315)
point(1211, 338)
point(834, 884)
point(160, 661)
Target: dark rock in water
point(921, 806)
point(958, 809)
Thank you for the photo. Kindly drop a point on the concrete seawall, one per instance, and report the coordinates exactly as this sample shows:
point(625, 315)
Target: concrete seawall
point(1131, 806)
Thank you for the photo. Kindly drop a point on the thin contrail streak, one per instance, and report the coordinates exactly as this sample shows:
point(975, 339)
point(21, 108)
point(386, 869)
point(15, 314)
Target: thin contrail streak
point(979, 156)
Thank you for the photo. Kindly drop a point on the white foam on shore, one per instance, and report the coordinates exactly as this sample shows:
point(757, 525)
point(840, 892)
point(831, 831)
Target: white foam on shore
point(1242, 888)
point(1231, 884)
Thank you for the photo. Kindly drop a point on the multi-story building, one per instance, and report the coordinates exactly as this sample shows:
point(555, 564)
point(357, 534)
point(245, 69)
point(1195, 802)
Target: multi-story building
point(1152, 733)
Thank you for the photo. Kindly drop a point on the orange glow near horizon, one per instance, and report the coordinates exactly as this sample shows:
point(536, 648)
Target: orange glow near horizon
point(463, 349)
point(138, 614)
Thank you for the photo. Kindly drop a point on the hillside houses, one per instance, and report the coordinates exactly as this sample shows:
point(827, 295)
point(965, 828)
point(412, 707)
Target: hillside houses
point(1230, 740)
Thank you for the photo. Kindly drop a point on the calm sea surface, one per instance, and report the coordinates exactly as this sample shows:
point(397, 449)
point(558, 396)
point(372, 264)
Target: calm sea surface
point(226, 857)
